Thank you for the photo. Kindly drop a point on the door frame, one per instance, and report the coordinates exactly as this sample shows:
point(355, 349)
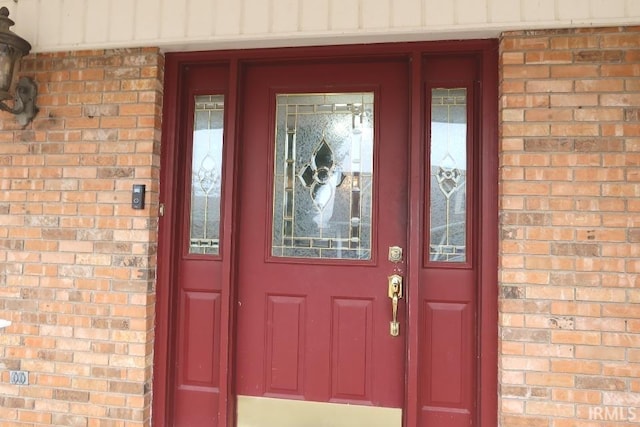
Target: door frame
point(486, 54)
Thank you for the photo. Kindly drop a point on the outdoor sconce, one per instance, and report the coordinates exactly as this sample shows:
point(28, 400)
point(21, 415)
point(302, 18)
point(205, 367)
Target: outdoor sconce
point(12, 48)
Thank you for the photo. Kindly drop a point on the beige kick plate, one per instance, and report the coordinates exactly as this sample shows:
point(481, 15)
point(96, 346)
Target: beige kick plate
point(269, 412)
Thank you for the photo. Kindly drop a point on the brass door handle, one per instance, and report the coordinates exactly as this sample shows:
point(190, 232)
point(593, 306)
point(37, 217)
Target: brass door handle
point(395, 293)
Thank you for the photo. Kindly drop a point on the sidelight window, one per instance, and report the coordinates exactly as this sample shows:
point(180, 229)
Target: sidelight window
point(206, 175)
point(448, 165)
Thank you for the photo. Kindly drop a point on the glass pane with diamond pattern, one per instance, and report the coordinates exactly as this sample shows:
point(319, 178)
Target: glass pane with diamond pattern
point(323, 176)
point(206, 175)
point(448, 175)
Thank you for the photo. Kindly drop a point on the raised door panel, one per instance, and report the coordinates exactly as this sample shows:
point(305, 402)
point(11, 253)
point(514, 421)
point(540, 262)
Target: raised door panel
point(284, 330)
point(197, 376)
point(352, 350)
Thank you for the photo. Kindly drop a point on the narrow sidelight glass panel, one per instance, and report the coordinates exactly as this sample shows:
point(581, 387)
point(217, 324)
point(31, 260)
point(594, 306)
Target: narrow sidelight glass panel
point(206, 175)
point(323, 176)
point(448, 207)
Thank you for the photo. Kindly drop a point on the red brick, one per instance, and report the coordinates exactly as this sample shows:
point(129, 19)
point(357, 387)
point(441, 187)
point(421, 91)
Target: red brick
point(599, 114)
point(629, 40)
point(608, 85)
point(574, 100)
point(548, 115)
point(573, 130)
point(620, 70)
point(574, 71)
point(548, 57)
point(549, 86)
point(525, 43)
point(574, 42)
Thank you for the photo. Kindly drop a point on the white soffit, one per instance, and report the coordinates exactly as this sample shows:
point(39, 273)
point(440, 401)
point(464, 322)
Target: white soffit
point(182, 25)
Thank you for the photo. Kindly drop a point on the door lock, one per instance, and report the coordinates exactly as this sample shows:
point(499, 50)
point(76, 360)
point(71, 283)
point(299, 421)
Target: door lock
point(395, 254)
point(395, 293)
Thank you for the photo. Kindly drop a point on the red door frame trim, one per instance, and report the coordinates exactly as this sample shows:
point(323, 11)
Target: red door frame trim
point(488, 197)
point(227, 312)
point(166, 235)
point(415, 223)
point(487, 51)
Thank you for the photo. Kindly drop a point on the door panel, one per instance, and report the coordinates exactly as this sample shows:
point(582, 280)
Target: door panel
point(286, 321)
point(317, 329)
point(448, 347)
point(197, 376)
point(199, 343)
point(351, 357)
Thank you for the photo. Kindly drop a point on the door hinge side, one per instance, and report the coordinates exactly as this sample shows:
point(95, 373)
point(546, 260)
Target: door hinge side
point(161, 210)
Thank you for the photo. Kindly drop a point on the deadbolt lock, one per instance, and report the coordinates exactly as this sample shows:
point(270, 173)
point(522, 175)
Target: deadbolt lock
point(395, 254)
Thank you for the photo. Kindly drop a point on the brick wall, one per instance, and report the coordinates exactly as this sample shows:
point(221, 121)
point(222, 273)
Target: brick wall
point(570, 228)
point(77, 264)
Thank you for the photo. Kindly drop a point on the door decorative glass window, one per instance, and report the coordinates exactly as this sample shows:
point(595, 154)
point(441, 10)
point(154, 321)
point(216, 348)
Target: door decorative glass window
point(448, 175)
point(323, 176)
point(206, 175)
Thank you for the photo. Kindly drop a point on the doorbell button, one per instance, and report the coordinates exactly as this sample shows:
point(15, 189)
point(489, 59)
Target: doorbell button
point(137, 196)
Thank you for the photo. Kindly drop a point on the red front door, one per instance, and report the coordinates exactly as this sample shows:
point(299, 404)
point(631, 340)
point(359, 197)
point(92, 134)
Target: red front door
point(328, 247)
point(323, 197)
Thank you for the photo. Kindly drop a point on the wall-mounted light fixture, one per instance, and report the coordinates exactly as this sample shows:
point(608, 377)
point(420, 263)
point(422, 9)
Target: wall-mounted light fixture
point(12, 48)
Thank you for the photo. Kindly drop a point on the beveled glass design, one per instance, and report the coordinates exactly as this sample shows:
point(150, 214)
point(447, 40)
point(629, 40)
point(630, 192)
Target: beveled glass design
point(448, 207)
point(206, 175)
point(323, 176)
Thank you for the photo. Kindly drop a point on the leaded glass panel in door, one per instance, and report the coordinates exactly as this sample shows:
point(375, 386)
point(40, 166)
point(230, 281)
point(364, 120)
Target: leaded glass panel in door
point(323, 176)
point(206, 175)
point(448, 207)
